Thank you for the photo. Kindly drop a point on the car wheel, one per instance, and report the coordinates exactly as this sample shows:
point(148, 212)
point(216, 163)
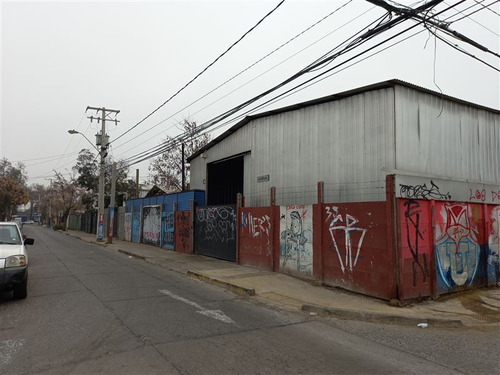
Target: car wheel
point(20, 291)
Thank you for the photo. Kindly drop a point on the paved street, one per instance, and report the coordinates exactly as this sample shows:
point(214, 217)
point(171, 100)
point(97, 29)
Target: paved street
point(92, 310)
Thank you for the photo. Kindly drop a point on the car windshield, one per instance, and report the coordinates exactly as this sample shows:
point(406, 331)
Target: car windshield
point(9, 234)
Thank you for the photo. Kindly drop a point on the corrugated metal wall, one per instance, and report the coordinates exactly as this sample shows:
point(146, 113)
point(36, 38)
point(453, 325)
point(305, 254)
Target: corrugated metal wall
point(352, 143)
point(344, 143)
point(445, 138)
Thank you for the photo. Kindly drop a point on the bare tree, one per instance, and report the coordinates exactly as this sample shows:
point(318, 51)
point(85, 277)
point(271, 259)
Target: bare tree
point(66, 196)
point(166, 169)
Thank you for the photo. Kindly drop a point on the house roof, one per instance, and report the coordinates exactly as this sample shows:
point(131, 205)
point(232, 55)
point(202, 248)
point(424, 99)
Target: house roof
point(330, 98)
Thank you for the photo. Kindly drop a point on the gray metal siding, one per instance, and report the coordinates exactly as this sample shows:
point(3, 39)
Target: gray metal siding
point(344, 143)
point(353, 142)
point(444, 138)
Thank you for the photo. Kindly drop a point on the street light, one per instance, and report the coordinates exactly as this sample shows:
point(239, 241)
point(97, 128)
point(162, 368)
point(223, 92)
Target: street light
point(73, 131)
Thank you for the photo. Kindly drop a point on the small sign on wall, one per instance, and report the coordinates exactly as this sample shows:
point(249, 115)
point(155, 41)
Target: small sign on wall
point(263, 178)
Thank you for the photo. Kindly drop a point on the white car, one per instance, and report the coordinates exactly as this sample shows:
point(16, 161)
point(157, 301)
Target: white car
point(13, 260)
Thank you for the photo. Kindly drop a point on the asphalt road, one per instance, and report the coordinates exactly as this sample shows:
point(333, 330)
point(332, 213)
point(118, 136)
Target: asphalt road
point(93, 311)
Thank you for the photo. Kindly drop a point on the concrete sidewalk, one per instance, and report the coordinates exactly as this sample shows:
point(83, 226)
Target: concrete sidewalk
point(474, 308)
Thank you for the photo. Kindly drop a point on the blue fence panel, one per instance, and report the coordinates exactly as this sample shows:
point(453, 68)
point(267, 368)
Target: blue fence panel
point(167, 230)
point(128, 206)
point(136, 226)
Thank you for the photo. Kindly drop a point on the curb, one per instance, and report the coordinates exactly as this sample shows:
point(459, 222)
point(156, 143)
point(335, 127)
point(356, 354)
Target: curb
point(225, 284)
point(131, 254)
point(380, 317)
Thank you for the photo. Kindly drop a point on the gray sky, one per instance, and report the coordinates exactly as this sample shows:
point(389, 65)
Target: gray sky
point(60, 57)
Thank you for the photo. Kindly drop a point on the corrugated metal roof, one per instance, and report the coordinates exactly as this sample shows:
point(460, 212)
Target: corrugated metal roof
point(335, 97)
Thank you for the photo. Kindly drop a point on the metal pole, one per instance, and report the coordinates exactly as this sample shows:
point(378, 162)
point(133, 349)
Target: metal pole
point(136, 183)
point(183, 170)
point(112, 204)
point(100, 208)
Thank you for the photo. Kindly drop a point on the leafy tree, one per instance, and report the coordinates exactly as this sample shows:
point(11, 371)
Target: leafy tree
point(166, 169)
point(88, 177)
point(13, 189)
point(87, 167)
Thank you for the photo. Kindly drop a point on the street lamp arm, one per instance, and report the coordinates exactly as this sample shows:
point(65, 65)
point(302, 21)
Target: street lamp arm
point(73, 131)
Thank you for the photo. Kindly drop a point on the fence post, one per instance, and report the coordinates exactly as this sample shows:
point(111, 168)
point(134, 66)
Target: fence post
point(321, 190)
point(272, 196)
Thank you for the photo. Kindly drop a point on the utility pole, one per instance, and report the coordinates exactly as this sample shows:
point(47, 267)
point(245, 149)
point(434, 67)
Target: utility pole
point(183, 168)
point(111, 217)
point(50, 202)
point(102, 140)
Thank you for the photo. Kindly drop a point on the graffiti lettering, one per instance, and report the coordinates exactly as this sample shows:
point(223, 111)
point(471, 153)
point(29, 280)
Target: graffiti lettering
point(332, 213)
point(295, 207)
point(412, 220)
point(347, 230)
point(218, 223)
point(256, 226)
point(152, 225)
point(478, 195)
point(423, 192)
point(151, 237)
point(495, 195)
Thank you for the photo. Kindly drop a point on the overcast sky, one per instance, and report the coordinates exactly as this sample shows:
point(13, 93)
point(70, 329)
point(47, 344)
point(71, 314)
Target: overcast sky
point(60, 57)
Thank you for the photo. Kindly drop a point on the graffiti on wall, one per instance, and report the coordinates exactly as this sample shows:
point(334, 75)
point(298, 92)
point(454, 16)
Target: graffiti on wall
point(413, 236)
point(151, 229)
point(168, 230)
point(296, 248)
point(255, 226)
point(423, 192)
point(347, 237)
point(128, 226)
point(217, 223)
point(457, 247)
point(182, 229)
point(493, 263)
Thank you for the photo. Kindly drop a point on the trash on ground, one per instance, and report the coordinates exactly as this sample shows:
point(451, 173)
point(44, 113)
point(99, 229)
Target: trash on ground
point(422, 325)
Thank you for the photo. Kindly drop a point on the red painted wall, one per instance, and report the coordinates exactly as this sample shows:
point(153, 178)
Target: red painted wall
point(255, 237)
point(355, 253)
point(182, 237)
point(416, 262)
point(445, 247)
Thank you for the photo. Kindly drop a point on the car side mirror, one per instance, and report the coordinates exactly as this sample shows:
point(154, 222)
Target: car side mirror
point(29, 241)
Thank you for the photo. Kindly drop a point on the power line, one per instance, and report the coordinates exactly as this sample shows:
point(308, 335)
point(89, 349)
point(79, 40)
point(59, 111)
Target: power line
point(246, 69)
point(303, 71)
point(203, 71)
point(473, 20)
point(487, 7)
point(354, 44)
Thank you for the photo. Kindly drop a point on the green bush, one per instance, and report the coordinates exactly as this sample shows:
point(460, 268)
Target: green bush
point(57, 227)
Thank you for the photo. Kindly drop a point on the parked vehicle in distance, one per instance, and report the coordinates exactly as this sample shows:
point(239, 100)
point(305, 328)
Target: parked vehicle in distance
point(14, 259)
point(19, 222)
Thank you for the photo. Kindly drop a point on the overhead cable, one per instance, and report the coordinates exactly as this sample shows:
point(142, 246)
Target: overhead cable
point(199, 74)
